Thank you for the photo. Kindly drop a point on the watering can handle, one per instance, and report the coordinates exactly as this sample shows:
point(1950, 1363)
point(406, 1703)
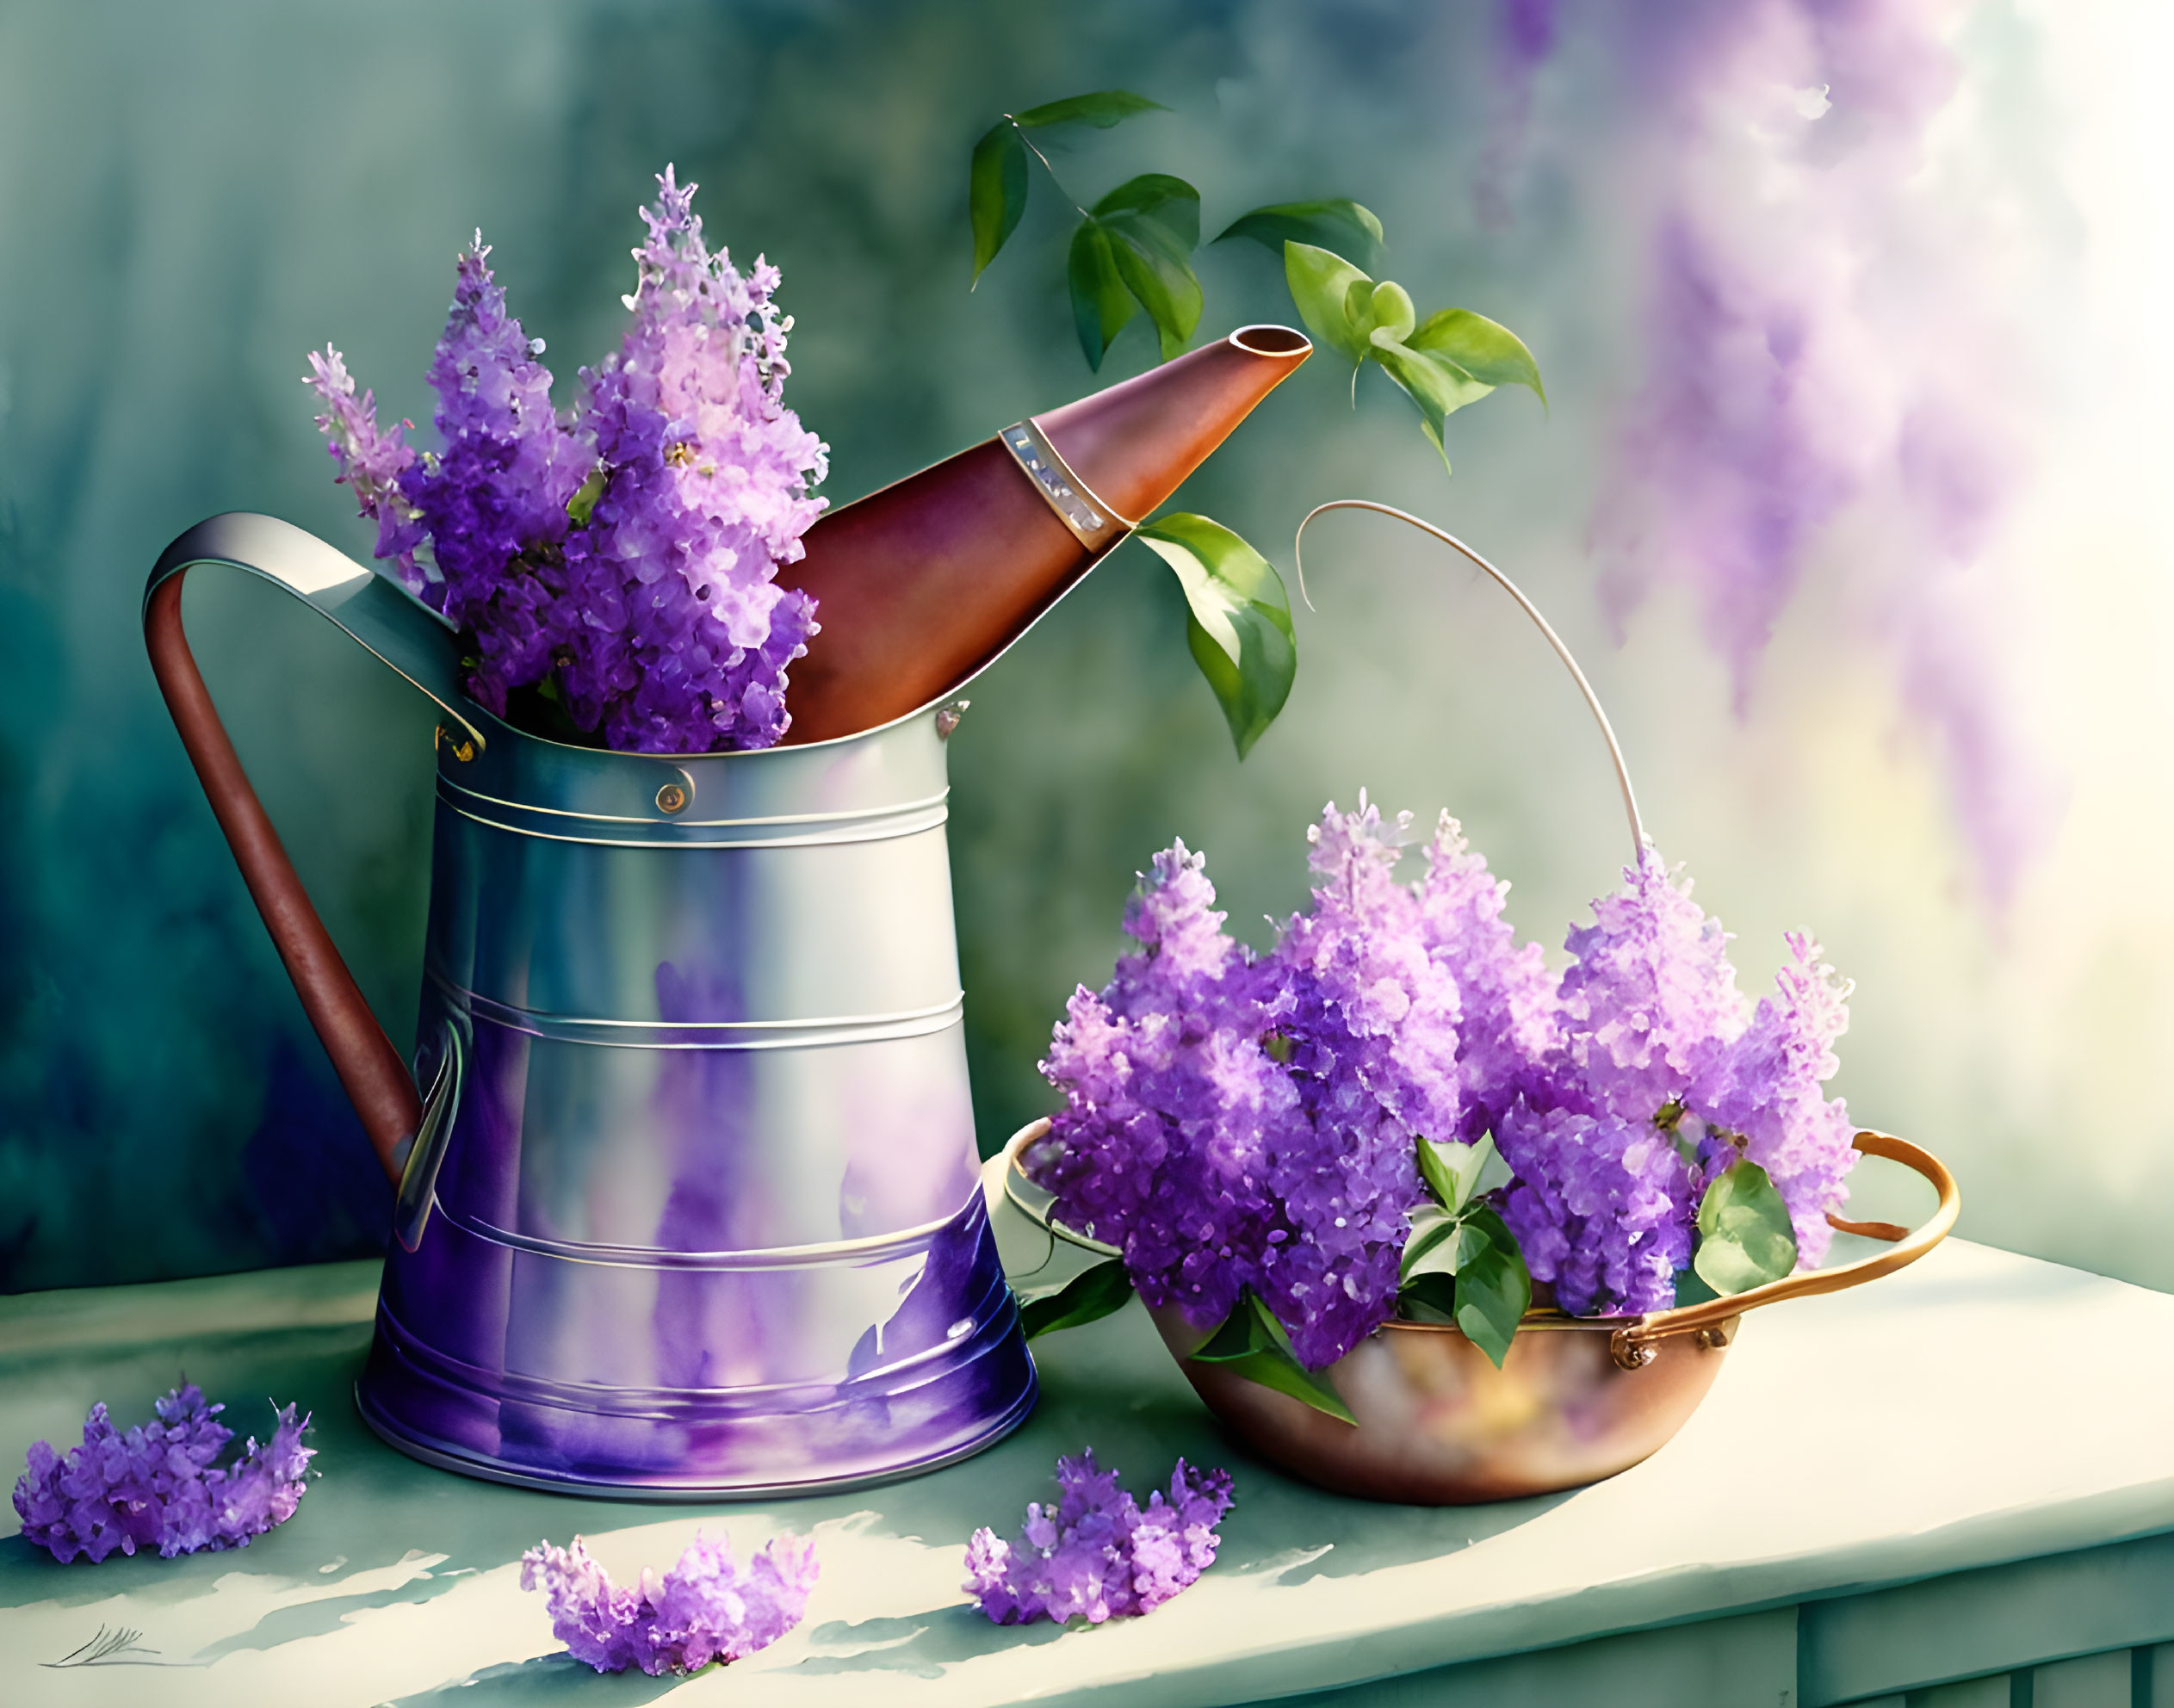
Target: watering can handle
point(417, 643)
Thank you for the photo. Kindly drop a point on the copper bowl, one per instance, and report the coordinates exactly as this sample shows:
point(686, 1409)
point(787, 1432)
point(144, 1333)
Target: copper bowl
point(1577, 1399)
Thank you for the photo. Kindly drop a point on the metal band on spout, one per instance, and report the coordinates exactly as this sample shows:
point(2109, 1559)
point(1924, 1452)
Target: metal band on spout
point(1093, 523)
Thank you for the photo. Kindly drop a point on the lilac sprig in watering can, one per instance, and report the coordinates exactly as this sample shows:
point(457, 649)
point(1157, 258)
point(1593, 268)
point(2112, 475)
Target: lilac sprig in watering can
point(688, 1195)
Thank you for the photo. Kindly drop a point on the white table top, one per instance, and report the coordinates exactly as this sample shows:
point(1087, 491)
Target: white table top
point(1976, 1408)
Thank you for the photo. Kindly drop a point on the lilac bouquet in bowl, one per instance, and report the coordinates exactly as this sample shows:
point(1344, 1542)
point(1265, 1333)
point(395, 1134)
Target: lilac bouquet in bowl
point(1396, 1110)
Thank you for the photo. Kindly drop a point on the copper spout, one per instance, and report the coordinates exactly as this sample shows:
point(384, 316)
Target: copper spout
point(921, 584)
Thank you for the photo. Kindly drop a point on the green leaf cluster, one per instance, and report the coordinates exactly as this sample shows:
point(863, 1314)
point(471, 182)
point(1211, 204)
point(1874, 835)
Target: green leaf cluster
point(1254, 1345)
point(1131, 254)
point(1461, 1263)
point(1132, 251)
point(1238, 620)
point(1453, 358)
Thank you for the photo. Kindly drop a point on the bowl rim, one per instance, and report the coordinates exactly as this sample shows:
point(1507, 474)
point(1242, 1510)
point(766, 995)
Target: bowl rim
point(1633, 1339)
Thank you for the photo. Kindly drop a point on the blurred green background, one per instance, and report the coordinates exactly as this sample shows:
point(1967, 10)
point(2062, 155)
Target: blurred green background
point(190, 197)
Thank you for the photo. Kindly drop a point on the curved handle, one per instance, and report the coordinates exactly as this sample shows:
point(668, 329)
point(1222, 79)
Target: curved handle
point(1532, 610)
point(414, 641)
point(433, 1131)
point(1635, 1343)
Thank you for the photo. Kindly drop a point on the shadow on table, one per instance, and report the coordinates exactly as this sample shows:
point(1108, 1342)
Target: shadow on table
point(549, 1678)
point(921, 1645)
point(1327, 1536)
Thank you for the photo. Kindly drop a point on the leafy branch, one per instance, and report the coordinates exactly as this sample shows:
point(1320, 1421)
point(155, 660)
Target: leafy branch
point(1131, 253)
point(1453, 358)
point(1462, 1263)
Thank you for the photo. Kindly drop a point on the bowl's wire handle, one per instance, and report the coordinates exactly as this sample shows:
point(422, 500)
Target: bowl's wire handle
point(1636, 1343)
point(1532, 610)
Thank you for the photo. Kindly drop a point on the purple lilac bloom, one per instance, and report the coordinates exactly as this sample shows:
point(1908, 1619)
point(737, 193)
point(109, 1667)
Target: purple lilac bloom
point(493, 502)
point(1824, 346)
point(1604, 1203)
point(706, 494)
point(370, 462)
point(704, 1609)
point(1766, 1087)
point(1601, 1207)
point(159, 1484)
point(1508, 997)
point(1235, 1124)
point(1370, 1022)
point(1172, 1107)
point(625, 558)
point(1648, 997)
point(1096, 1555)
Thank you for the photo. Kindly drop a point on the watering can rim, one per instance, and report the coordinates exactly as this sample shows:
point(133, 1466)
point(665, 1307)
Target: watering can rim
point(185, 553)
point(203, 544)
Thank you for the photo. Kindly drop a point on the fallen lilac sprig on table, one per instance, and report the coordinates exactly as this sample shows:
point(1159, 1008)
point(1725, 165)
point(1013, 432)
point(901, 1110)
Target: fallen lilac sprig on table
point(1096, 1555)
point(157, 1484)
point(704, 1609)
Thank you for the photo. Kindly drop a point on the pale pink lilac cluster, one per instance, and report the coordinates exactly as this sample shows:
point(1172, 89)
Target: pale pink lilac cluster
point(1233, 1122)
point(623, 558)
point(159, 1484)
point(1097, 1553)
point(704, 1609)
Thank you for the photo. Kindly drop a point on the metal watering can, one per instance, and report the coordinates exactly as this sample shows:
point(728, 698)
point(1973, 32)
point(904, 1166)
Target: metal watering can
point(688, 1201)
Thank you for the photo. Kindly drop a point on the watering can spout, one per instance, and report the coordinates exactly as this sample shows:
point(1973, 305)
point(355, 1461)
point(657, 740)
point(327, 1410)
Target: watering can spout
point(920, 585)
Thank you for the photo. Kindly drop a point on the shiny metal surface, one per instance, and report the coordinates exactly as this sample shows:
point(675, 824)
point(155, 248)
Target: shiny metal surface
point(708, 1220)
point(1094, 524)
point(692, 1208)
point(922, 586)
point(1439, 1426)
point(1577, 1399)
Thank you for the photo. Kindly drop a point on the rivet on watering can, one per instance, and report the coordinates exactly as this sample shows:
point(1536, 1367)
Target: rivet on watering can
point(671, 798)
point(947, 719)
point(463, 751)
point(1712, 1338)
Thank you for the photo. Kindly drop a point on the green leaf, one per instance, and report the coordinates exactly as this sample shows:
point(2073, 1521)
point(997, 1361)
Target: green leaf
point(1154, 224)
point(1744, 1236)
point(1430, 1297)
point(1341, 227)
point(1452, 1172)
point(1101, 303)
point(1253, 1344)
point(1434, 383)
point(995, 191)
point(1491, 354)
point(1323, 286)
point(1389, 313)
point(1154, 199)
point(1474, 1278)
point(583, 504)
point(1431, 1245)
point(1690, 1290)
point(1090, 1294)
point(1102, 109)
point(1493, 1288)
point(1238, 624)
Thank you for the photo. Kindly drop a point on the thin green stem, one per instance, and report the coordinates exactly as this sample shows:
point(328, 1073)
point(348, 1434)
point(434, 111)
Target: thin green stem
point(1046, 167)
